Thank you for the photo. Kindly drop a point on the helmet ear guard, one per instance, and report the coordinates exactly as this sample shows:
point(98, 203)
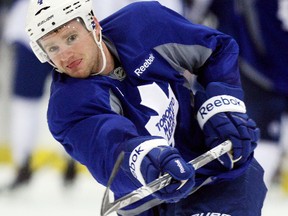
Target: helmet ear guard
point(40, 54)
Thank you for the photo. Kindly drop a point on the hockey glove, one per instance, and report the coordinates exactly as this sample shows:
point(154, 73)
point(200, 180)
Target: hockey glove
point(146, 160)
point(222, 115)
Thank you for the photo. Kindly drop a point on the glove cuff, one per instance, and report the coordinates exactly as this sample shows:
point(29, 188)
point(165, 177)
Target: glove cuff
point(138, 154)
point(218, 104)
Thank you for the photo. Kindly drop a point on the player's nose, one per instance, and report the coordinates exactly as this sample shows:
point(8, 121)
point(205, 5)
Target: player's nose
point(65, 53)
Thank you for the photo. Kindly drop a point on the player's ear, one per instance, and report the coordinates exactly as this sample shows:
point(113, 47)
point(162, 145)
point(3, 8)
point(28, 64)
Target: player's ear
point(97, 26)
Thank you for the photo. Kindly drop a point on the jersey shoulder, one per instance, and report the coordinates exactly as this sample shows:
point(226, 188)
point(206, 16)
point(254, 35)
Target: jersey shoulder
point(82, 96)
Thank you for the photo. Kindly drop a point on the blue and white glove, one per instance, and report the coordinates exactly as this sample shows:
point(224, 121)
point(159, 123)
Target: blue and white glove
point(222, 115)
point(147, 159)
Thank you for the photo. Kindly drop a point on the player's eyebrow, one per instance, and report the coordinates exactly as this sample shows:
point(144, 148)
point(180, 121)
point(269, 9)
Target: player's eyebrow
point(62, 37)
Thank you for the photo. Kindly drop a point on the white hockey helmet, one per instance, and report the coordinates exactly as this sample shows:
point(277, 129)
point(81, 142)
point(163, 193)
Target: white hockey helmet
point(45, 16)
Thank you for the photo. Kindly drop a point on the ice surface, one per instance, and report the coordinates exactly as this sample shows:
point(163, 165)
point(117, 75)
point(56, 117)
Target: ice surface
point(46, 195)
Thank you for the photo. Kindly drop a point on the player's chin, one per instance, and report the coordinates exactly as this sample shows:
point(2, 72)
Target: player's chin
point(81, 74)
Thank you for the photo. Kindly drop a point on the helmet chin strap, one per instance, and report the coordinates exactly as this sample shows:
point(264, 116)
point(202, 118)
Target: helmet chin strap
point(99, 44)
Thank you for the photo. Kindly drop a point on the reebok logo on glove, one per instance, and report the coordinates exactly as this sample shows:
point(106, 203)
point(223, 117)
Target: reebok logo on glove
point(217, 104)
point(138, 154)
point(181, 168)
point(134, 157)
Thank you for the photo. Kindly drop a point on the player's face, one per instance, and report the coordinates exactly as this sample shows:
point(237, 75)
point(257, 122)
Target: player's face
point(72, 49)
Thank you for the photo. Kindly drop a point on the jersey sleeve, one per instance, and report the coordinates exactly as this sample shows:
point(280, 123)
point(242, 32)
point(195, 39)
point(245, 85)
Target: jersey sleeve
point(209, 54)
point(82, 119)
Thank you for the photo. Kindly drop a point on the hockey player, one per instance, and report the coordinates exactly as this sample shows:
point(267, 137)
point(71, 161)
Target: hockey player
point(122, 85)
point(28, 89)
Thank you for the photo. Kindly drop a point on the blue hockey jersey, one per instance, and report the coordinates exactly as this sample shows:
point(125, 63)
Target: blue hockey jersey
point(148, 94)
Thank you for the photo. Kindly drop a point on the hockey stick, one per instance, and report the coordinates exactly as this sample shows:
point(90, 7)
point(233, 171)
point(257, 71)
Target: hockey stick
point(146, 190)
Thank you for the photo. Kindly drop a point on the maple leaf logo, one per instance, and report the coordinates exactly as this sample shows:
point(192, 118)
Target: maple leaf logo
point(163, 124)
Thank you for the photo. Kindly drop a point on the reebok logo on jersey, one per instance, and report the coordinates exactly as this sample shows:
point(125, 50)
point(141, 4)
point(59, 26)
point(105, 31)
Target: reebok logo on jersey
point(217, 104)
point(145, 65)
point(211, 214)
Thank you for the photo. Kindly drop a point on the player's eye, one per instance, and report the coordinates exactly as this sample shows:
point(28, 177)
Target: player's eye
point(72, 38)
point(52, 49)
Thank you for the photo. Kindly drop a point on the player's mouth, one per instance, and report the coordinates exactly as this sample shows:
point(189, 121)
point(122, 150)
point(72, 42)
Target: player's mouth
point(74, 64)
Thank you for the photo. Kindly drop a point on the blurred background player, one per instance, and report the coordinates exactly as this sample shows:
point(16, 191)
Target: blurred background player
point(4, 6)
point(261, 30)
point(29, 79)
